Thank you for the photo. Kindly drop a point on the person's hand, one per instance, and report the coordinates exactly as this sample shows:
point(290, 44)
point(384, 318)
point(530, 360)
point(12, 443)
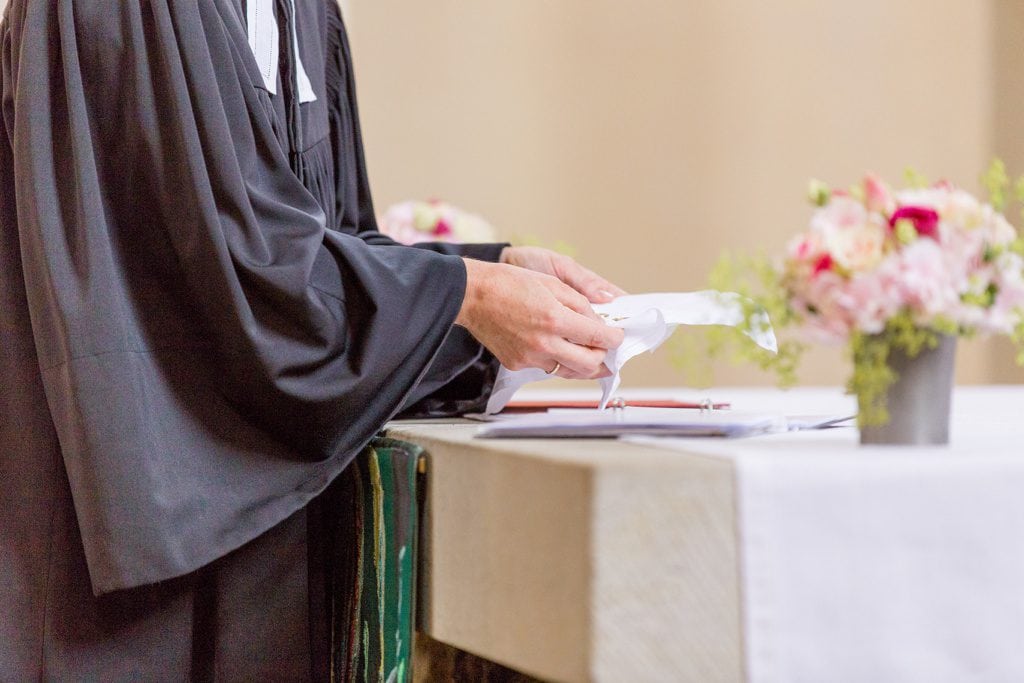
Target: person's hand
point(586, 282)
point(532, 320)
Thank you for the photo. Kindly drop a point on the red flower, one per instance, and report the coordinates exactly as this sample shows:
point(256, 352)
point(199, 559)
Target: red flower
point(822, 264)
point(442, 229)
point(925, 220)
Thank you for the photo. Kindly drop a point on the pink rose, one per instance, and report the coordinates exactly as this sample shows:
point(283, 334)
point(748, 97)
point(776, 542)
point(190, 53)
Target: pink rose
point(925, 279)
point(877, 196)
point(804, 247)
point(826, 319)
point(857, 248)
point(869, 301)
point(842, 212)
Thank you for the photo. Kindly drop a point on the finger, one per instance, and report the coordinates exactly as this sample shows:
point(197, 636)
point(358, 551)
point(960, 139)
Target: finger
point(610, 291)
point(601, 373)
point(578, 362)
point(596, 288)
point(565, 373)
point(587, 332)
point(571, 299)
point(588, 283)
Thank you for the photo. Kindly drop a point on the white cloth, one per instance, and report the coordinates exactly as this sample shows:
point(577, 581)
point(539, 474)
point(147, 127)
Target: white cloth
point(648, 320)
point(306, 93)
point(883, 565)
point(264, 40)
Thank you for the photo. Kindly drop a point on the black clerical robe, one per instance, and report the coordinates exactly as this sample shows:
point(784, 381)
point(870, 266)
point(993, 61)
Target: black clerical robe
point(199, 328)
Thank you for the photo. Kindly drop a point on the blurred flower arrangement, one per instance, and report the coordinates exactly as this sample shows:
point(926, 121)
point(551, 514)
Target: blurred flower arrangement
point(434, 221)
point(885, 270)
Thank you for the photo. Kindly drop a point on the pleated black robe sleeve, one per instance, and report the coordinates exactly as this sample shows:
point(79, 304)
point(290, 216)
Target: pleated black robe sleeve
point(213, 353)
point(461, 377)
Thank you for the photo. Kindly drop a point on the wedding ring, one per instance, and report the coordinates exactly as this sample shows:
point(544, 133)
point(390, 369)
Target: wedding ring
point(558, 366)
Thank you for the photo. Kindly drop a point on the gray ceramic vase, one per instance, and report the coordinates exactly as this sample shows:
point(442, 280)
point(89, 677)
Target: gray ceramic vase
point(919, 400)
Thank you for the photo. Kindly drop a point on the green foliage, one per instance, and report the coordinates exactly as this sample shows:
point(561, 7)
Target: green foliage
point(871, 378)
point(872, 375)
point(997, 183)
point(1018, 190)
point(760, 284)
point(983, 299)
point(915, 179)
point(1003, 190)
point(1018, 341)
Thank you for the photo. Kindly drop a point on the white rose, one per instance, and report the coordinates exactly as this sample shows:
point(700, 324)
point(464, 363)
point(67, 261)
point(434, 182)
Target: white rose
point(856, 249)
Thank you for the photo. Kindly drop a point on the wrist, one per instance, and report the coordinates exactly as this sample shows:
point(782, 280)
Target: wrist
point(471, 297)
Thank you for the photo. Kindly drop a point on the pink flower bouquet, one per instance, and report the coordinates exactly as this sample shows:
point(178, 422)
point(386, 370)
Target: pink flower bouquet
point(434, 221)
point(886, 272)
point(934, 255)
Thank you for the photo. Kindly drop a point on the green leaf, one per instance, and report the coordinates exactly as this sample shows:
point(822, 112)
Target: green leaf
point(997, 183)
point(915, 178)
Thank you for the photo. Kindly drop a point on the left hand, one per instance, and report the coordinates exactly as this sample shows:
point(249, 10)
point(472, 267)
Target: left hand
point(586, 282)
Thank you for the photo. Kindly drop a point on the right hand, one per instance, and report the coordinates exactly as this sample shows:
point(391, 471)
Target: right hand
point(531, 320)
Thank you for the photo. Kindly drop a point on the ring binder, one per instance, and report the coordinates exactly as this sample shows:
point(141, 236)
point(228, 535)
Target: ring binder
point(538, 406)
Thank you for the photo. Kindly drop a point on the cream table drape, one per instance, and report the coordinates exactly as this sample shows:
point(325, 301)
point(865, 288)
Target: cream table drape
point(795, 557)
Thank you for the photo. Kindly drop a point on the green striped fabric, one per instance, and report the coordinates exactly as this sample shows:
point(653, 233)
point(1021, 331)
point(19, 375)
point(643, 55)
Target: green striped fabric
point(374, 566)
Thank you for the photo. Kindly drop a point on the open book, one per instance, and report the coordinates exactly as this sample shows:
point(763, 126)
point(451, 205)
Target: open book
point(633, 421)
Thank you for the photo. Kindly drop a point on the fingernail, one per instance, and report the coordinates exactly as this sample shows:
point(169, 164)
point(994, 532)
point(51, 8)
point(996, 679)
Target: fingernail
point(605, 294)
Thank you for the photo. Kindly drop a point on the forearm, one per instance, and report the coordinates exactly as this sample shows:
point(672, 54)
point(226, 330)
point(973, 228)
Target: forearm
point(488, 251)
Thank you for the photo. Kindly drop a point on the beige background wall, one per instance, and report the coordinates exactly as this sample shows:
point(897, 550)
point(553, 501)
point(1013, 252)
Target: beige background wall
point(652, 135)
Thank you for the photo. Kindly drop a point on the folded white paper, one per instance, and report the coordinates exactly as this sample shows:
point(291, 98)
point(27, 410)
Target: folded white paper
point(648, 320)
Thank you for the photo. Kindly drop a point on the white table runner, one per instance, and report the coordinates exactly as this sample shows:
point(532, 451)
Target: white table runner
point(883, 564)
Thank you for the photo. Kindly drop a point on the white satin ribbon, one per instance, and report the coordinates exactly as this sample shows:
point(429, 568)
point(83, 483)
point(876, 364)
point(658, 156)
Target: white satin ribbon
point(264, 39)
point(647, 320)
